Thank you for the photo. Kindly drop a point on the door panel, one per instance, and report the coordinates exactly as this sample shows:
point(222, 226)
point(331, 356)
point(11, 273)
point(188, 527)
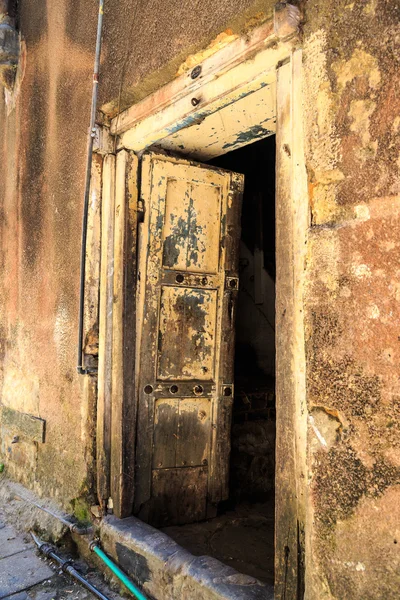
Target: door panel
point(188, 260)
point(192, 225)
point(186, 338)
point(175, 422)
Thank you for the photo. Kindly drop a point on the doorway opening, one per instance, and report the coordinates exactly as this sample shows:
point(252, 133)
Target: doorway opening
point(242, 534)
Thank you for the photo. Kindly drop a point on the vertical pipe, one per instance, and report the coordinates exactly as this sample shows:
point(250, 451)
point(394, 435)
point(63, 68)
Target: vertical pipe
point(92, 132)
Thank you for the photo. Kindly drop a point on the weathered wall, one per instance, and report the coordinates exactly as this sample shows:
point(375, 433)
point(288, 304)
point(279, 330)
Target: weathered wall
point(352, 135)
point(42, 152)
point(352, 92)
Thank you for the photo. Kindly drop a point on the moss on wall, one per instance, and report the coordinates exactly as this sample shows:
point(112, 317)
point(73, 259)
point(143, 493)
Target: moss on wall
point(352, 130)
point(352, 138)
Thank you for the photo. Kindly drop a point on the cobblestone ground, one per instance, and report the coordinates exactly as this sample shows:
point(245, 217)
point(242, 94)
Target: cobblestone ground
point(24, 575)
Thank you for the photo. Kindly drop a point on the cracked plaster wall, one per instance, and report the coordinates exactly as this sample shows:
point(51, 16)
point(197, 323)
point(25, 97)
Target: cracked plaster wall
point(351, 68)
point(43, 128)
point(352, 127)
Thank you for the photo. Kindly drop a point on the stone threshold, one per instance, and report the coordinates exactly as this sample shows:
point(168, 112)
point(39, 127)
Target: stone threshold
point(155, 562)
point(166, 571)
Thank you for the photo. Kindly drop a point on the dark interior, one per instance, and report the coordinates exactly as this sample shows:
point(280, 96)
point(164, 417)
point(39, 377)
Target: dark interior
point(242, 535)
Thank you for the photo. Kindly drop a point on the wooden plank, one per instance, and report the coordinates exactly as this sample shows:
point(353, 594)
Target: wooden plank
point(300, 234)
point(186, 333)
point(123, 422)
point(166, 425)
point(179, 496)
point(291, 230)
point(103, 443)
point(189, 261)
point(181, 432)
point(160, 115)
point(193, 436)
point(23, 425)
point(92, 275)
point(225, 59)
point(222, 410)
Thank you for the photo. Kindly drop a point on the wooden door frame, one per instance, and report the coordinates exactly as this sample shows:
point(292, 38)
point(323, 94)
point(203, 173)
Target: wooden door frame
point(249, 62)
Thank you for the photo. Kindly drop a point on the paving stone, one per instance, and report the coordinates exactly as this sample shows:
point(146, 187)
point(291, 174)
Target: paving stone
point(22, 571)
point(19, 596)
point(11, 542)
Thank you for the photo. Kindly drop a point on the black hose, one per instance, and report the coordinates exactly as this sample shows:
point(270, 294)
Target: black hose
point(92, 132)
point(67, 567)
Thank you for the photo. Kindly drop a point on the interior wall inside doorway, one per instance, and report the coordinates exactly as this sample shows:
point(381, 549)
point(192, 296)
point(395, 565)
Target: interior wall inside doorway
point(242, 535)
point(253, 429)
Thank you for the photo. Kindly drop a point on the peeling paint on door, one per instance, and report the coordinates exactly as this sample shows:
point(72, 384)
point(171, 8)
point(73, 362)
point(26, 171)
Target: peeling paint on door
point(188, 259)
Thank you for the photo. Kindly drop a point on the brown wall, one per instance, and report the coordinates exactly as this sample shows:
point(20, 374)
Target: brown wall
point(42, 154)
point(352, 138)
point(352, 297)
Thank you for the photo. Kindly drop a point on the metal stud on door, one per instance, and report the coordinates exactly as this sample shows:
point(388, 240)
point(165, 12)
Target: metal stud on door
point(188, 261)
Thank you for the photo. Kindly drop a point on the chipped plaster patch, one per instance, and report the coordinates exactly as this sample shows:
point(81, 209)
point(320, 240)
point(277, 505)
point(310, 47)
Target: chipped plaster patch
point(362, 212)
point(323, 202)
point(361, 271)
point(222, 40)
point(387, 246)
point(360, 113)
point(323, 141)
point(329, 176)
point(361, 64)
point(396, 125)
point(317, 432)
point(373, 312)
point(370, 8)
point(325, 250)
point(61, 332)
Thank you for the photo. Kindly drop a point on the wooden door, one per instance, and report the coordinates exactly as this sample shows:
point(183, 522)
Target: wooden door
point(188, 284)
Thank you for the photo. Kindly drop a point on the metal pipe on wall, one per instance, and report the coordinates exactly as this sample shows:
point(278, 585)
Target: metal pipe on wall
point(73, 527)
point(92, 132)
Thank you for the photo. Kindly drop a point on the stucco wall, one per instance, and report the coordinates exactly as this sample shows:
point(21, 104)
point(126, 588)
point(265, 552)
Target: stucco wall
point(352, 297)
point(352, 138)
point(42, 155)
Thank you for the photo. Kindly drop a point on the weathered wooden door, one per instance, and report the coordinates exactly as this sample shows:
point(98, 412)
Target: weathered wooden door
point(188, 283)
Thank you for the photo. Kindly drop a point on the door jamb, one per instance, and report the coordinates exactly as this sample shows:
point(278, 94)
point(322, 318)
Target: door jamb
point(292, 220)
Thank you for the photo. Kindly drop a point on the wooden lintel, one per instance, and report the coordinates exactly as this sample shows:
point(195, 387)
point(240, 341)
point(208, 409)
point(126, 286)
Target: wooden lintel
point(242, 67)
point(226, 58)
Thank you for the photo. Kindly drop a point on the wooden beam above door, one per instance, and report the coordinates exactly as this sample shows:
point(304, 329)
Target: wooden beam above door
point(243, 67)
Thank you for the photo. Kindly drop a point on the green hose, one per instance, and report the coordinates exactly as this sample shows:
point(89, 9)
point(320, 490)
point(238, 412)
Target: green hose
point(117, 571)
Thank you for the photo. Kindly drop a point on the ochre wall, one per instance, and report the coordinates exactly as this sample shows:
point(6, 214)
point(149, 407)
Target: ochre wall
point(352, 127)
point(352, 99)
point(42, 157)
